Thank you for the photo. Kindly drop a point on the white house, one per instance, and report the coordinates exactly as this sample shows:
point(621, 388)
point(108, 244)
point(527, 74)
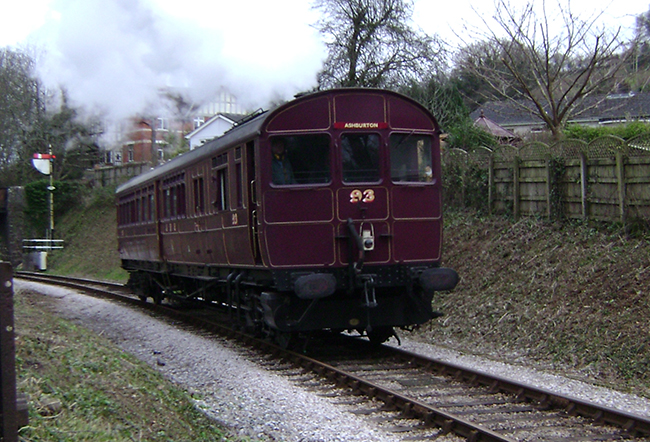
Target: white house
point(213, 128)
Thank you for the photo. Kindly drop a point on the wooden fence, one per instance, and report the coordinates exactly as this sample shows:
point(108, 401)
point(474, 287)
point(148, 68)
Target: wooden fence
point(113, 175)
point(607, 179)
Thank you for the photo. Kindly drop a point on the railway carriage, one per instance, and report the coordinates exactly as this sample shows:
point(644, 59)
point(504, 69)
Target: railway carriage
point(324, 213)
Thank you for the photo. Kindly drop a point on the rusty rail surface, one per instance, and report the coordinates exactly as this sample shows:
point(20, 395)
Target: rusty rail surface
point(13, 408)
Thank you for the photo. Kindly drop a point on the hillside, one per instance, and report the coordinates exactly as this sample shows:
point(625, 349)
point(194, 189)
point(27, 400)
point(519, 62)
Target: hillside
point(89, 232)
point(570, 296)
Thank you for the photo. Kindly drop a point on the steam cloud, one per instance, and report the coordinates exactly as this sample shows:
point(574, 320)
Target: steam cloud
point(116, 54)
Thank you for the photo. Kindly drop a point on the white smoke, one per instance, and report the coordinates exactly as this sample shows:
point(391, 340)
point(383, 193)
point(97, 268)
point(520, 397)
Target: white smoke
point(115, 55)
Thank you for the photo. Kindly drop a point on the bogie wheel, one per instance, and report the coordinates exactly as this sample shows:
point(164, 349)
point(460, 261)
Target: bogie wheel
point(158, 297)
point(379, 335)
point(285, 340)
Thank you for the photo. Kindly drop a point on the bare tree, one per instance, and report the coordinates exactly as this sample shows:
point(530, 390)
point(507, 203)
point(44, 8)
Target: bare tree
point(370, 44)
point(546, 62)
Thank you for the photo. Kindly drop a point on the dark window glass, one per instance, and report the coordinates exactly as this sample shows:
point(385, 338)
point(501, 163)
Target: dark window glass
point(151, 206)
point(300, 159)
point(239, 178)
point(199, 205)
point(180, 195)
point(360, 155)
point(166, 197)
point(410, 158)
point(221, 201)
point(173, 201)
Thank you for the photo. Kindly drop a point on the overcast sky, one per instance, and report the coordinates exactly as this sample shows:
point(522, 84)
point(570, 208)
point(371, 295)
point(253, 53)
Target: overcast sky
point(113, 54)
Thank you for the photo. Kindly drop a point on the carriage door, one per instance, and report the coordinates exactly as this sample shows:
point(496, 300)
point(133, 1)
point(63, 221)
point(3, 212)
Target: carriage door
point(251, 203)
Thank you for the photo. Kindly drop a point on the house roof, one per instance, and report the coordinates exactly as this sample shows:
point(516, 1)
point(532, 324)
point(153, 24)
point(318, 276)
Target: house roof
point(593, 109)
point(493, 128)
point(230, 118)
point(506, 113)
point(616, 107)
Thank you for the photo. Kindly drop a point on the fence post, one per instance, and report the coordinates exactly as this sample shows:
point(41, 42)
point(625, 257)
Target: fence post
point(548, 188)
point(8, 410)
point(620, 181)
point(490, 184)
point(584, 179)
point(515, 187)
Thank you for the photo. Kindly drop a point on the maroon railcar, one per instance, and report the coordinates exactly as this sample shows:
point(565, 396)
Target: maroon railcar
point(324, 213)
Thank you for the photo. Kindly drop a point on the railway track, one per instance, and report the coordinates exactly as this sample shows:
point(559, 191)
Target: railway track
point(419, 397)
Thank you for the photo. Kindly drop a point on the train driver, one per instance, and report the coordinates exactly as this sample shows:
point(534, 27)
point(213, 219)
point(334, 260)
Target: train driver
point(282, 172)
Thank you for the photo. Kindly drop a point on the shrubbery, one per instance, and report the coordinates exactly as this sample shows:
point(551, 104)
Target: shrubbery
point(37, 207)
point(624, 131)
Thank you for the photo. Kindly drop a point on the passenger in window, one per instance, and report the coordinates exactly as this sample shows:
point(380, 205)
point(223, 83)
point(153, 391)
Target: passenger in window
point(281, 169)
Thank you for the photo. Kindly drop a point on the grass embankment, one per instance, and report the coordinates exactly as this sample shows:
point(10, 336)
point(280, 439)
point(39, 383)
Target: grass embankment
point(573, 296)
point(89, 232)
point(80, 386)
point(83, 388)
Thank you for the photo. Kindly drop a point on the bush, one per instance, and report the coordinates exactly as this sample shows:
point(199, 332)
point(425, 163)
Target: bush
point(37, 202)
point(625, 131)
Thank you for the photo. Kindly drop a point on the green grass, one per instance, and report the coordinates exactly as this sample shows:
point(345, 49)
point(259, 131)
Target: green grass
point(90, 235)
point(570, 295)
point(83, 388)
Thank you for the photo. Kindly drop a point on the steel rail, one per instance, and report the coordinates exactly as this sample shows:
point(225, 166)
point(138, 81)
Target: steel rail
point(409, 407)
point(599, 413)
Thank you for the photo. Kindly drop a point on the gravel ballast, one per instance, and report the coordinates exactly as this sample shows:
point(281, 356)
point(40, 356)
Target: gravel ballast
point(258, 403)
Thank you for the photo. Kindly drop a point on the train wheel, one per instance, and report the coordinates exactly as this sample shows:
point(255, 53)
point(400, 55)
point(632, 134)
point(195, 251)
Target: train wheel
point(157, 297)
point(285, 340)
point(254, 315)
point(379, 335)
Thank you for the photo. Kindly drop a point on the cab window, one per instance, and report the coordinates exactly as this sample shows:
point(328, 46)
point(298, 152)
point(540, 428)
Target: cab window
point(410, 158)
point(300, 159)
point(360, 155)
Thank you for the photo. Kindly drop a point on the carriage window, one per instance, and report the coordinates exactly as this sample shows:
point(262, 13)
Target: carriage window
point(239, 184)
point(173, 201)
point(360, 154)
point(151, 205)
point(410, 158)
point(199, 204)
point(143, 208)
point(167, 203)
point(301, 159)
point(138, 218)
point(221, 201)
point(173, 196)
point(181, 195)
